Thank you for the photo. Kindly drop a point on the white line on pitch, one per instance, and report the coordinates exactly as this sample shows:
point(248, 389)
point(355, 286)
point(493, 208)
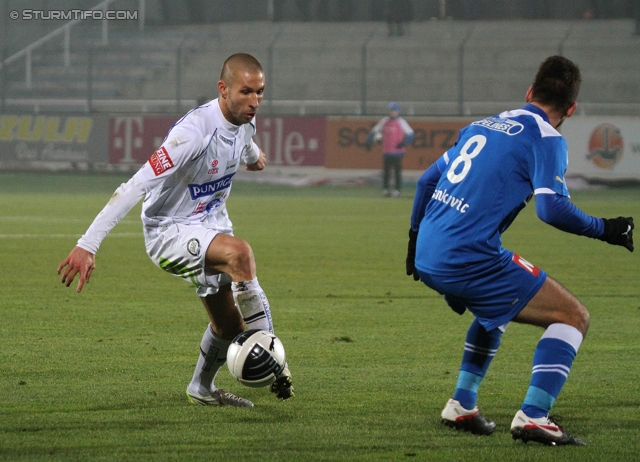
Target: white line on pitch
point(35, 236)
point(60, 219)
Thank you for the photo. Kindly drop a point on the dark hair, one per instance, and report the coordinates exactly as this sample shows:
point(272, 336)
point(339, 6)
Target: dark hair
point(556, 83)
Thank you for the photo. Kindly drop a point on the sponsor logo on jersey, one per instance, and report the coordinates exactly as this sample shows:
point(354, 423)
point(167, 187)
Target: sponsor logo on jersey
point(524, 264)
point(232, 166)
point(160, 161)
point(214, 170)
point(193, 246)
point(200, 208)
point(606, 146)
point(508, 126)
point(226, 140)
point(210, 188)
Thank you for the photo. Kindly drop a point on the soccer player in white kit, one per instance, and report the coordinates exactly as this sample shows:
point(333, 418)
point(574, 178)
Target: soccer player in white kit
point(187, 231)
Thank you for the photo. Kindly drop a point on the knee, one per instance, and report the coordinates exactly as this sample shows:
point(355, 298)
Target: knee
point(585, 320)
point(580, 318)
point(241, 252)
point(240, 258)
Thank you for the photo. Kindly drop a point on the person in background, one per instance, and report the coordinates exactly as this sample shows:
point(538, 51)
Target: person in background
point(395, 134)
point(399, 12)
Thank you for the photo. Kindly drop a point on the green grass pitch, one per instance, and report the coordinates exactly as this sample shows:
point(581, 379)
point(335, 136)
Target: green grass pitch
point(101, 375)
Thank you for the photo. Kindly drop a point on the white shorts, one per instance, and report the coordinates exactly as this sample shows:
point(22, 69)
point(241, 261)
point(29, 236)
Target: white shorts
point(180, 250)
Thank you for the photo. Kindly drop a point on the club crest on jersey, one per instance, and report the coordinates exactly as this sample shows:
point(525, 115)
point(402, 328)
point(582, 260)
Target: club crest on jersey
point(160, 161)
point(216, 202)
point(193, 246)
point(524, 264)
point(209, 188)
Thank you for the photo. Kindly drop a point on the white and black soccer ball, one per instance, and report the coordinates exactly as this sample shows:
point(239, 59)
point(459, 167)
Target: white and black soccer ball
point(255, 358)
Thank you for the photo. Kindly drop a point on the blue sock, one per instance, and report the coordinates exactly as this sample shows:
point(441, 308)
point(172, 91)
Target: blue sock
point(551, 365)
point(479, 349)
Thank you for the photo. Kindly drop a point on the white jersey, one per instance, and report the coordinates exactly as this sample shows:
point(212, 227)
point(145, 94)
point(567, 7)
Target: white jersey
point(187, 180)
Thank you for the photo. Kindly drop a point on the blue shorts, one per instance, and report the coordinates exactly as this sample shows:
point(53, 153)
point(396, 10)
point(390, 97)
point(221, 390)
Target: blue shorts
point(496, 293)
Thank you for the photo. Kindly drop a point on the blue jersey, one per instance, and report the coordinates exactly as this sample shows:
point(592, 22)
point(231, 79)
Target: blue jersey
point(487, 178)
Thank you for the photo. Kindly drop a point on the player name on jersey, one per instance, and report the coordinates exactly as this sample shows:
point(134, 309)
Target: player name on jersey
point(448, 199)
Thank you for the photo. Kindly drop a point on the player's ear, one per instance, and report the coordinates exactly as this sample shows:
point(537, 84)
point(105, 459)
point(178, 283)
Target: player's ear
point(571, 109)
point(527, 96)
point(222, 89)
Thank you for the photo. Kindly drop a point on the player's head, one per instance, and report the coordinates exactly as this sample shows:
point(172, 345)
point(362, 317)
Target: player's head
point(556, 85)
point(241, 88)
point(394, 109)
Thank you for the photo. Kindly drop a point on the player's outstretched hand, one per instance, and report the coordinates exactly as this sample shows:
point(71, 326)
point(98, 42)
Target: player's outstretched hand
point(79, 261)
point(619, 231)
point(411, 255)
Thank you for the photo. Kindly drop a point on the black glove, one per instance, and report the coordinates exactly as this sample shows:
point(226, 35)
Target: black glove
point(455, 305)
point(618, 231)
point(411, 255)
point(400, 145)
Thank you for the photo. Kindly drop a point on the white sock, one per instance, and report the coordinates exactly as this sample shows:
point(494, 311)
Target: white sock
point(253, 304)
point(213, 354)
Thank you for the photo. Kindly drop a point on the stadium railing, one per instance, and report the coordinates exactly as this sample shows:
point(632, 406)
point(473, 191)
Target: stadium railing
point(302, 108)
point(66, 31)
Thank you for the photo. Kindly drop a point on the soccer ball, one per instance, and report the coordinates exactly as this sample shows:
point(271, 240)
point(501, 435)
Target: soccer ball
point(255, 358)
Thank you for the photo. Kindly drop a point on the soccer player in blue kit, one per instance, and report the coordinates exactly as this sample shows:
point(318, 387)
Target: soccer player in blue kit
point(463, 203)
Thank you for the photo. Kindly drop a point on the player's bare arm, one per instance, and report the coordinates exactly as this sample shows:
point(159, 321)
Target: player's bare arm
point(78, 261)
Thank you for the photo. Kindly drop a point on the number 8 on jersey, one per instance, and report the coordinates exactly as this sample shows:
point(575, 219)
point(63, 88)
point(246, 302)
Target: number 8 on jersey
point(465, 157)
